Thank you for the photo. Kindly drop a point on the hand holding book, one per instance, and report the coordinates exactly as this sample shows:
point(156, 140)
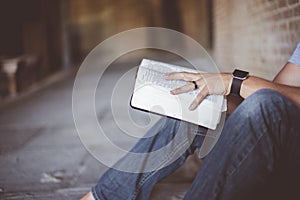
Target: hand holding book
point(152, 93)
point(208, 84)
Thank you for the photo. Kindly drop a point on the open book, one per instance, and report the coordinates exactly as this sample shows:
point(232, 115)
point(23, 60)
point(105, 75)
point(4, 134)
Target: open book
point(152, 93)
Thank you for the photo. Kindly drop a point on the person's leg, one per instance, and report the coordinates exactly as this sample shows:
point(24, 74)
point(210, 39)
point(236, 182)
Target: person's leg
point(260, 141)
point(169, 147)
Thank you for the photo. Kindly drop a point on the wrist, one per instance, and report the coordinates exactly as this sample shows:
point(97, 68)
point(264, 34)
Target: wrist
point(227, 81)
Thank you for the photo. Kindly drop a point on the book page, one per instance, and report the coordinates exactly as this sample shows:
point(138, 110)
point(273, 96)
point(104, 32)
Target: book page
point(152, 93)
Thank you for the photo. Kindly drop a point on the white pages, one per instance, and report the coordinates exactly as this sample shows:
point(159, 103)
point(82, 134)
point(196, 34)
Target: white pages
point(152, 93)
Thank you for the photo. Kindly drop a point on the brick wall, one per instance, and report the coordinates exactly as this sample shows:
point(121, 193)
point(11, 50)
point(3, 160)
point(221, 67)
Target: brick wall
point(255, 35)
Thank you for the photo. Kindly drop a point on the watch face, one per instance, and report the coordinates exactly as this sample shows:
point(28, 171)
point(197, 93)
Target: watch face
point(240, 74)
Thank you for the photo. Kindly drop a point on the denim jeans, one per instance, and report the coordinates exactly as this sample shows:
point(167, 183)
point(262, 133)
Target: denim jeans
point(256, 156)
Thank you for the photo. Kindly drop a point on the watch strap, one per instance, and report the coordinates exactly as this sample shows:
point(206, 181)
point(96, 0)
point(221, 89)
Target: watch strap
point(236, 86)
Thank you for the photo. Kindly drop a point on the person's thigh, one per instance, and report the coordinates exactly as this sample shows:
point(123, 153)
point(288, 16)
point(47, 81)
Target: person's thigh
point(260, 141)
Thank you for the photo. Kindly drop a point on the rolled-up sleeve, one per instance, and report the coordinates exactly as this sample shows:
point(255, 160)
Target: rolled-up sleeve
point(295, 58)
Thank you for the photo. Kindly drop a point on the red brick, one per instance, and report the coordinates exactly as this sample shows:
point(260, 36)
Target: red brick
point(282, 3)
point(288, 13)
point(294, 25)
point(271, 7)
point(291, 2)
point(278, 16)
point(297, 11)
point(283, 27)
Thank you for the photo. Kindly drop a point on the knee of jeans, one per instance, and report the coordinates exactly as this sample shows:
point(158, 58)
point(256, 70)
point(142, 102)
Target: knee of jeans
point(264, 101)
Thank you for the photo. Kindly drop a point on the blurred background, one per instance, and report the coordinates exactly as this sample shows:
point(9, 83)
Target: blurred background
point(43, 43)
point(51, 36)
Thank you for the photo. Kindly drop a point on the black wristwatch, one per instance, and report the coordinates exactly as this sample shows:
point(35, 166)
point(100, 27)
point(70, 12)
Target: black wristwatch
point(238, 77)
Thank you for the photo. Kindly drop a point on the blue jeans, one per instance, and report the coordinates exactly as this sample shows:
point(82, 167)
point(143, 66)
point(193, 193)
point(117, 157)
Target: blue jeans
point(256, 156)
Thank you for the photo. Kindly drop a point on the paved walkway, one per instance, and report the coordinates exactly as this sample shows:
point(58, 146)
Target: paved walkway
point(41, 155)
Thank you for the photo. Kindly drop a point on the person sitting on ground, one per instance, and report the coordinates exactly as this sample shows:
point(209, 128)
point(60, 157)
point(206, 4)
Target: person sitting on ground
point(256, 156)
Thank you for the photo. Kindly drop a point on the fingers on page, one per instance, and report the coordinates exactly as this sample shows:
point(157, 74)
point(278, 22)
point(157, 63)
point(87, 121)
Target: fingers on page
point(199, 99)
point(186, 88)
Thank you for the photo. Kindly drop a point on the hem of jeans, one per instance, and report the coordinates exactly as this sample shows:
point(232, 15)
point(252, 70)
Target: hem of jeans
point(165, 160)
point(94, 193)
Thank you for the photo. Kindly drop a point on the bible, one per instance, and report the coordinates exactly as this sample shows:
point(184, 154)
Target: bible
point(152, 93)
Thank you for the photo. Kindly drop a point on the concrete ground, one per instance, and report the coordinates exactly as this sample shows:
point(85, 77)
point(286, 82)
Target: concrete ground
point(41, 154)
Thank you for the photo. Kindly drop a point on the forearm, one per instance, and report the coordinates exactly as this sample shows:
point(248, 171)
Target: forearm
point(253, 84)
point(287, 83)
